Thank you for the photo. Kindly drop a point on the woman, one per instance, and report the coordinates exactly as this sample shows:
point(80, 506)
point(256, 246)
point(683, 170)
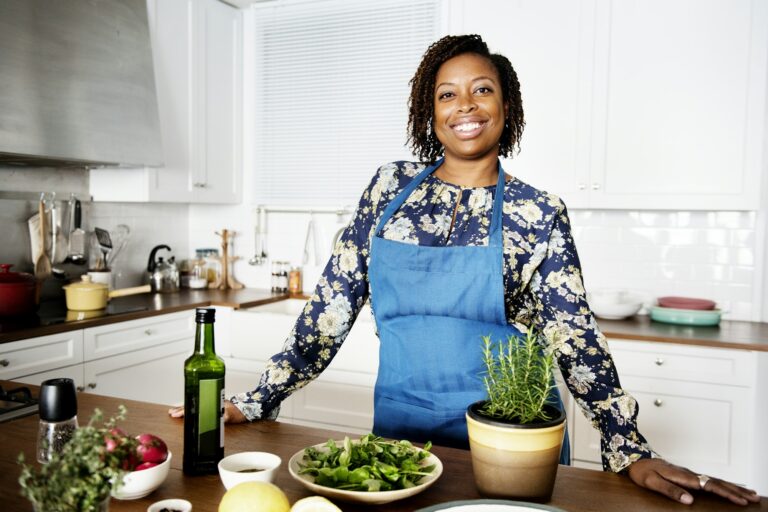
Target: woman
point(453, 250)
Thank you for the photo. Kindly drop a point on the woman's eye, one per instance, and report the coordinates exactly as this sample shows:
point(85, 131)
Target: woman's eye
point(444, 95)
point(484, 90)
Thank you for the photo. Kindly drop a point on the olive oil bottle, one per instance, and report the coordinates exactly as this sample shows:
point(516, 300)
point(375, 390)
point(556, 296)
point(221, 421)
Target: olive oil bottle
point(203, 400)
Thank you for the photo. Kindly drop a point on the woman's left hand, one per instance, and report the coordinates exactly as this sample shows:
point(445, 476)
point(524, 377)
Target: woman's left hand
point(672, 481)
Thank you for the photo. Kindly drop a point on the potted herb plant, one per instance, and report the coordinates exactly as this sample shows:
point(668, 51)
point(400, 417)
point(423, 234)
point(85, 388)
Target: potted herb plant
point(516, 434)
point(81, 476)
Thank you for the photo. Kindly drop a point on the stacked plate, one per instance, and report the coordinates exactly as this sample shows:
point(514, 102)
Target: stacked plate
point(686, 311)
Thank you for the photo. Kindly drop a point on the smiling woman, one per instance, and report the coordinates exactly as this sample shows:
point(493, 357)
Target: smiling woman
point(449, 250)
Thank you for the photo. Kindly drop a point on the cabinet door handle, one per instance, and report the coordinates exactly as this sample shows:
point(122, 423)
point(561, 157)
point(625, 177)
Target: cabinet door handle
point(148, 332)
point(595, 186)
point(91, 385)
point(80, 388)
point(582, 186)
point(4, 362)
point(658, 402)
point(659, 361)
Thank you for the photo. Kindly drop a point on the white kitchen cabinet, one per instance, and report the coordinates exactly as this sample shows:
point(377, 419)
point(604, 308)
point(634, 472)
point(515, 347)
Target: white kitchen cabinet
point(340, 398)
point(699, 408)
point(153, 374)
point(41, 354)
point(197, 48)
point(617, 119)
point(138, 360)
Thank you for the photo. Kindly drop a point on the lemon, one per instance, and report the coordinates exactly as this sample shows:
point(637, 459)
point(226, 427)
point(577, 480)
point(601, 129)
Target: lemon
point(314, 504)
point(254, 497)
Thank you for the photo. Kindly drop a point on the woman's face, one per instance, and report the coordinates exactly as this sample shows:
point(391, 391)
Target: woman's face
point(469, 109)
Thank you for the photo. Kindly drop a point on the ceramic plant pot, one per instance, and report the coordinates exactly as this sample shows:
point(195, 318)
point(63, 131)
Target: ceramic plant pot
point(514, 460)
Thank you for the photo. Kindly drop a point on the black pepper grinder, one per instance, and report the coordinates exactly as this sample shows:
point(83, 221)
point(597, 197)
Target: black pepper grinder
point(58, 416)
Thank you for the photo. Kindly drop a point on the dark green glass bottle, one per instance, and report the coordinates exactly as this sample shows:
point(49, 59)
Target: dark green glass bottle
point(203, 400)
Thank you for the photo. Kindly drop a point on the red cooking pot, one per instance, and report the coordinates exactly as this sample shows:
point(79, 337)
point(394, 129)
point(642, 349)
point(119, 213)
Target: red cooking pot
point(17, 292)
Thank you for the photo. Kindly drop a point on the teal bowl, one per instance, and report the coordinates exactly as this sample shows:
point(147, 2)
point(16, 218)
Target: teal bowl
point(686, 316)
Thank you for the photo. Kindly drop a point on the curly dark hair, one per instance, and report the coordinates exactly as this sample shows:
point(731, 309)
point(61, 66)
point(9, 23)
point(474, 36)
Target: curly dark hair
point(421, 134)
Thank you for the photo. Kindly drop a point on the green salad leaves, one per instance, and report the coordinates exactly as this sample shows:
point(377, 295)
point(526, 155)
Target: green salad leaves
point(368, 464)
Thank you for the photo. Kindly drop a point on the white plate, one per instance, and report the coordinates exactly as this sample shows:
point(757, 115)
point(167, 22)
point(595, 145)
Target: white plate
point(370, 498)
point(489, 506)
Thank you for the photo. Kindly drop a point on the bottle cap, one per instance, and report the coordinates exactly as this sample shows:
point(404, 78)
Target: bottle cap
point(205, 315)
point(58, 400)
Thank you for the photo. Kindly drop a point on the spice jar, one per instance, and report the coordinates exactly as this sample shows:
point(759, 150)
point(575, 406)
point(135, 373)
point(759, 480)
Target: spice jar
point(198, 276)
point(58, 417)
point(294, 281)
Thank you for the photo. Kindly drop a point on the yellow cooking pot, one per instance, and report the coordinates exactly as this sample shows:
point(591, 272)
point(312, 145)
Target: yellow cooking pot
point(90, 296)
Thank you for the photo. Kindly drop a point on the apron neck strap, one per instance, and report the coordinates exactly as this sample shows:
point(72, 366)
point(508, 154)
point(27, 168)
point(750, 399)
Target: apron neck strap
point(495, 238)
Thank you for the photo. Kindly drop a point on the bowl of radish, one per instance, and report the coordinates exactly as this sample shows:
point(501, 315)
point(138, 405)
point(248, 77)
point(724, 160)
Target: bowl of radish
point(147, 468)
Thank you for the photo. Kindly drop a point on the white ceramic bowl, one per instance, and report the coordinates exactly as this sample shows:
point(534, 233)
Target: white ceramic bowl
point(614, 304)
point(231, 467)
point(137, 484)
point(170, 504)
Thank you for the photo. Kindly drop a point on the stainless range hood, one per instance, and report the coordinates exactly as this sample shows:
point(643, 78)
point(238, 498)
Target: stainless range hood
point(77, 85)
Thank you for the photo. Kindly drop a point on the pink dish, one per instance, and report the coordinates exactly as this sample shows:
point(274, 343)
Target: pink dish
point(686, 303)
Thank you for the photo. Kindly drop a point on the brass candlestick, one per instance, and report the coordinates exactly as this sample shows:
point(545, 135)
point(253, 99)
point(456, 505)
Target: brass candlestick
point(226, 280)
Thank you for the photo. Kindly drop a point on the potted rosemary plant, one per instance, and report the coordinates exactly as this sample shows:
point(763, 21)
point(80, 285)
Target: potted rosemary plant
point(516, 434)
point(81, 476)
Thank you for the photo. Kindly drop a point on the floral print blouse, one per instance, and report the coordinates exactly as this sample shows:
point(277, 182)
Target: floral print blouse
point(543, 288)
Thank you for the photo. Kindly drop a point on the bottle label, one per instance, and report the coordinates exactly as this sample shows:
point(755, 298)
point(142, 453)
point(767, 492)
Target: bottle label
point(210, 416)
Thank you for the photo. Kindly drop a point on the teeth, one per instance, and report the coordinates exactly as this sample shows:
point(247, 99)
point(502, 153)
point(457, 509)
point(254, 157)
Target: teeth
point(467, 127)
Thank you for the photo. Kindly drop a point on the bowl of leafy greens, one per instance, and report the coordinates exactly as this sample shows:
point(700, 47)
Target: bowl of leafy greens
point(369, 470)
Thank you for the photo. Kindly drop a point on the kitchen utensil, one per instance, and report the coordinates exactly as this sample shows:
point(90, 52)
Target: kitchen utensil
point(101, 276)
point(76, 253)
point(310, 231)
point(17, 292)
point(57, 271)
point(686, 316)
point(120, 237)
point(58, 416)
point(163, 276)
point(259, 240)
point(105, 244)
point(248, 467)
point(43, 263)
point(88, 296)
point(686, 303)
point(366, 497)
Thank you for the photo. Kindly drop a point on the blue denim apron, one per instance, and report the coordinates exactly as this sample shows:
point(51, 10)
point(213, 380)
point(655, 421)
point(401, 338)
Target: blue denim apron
point(432, 306)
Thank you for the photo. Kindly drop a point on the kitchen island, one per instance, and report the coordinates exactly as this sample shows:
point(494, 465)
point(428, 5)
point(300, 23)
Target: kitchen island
point(576, 490)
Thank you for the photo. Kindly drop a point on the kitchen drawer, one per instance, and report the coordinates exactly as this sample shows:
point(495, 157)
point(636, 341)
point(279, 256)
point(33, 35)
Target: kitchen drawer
point(113, 339)
point(35, 355)
point(683, 362)
point(335, 406)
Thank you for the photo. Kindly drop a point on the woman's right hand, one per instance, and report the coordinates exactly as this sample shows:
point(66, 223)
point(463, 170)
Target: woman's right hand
point(231, 413)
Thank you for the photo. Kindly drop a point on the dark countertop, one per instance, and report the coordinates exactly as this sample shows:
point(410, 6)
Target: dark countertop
point(52, 318)
point(576, 490)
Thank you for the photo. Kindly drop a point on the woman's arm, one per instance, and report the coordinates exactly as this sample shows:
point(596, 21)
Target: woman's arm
point(331, 311)
point(587, 367)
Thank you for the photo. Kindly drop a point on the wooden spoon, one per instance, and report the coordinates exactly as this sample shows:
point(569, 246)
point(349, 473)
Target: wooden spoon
point(43, 263)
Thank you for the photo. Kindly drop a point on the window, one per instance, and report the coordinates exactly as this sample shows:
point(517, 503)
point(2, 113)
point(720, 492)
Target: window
point(330, 107)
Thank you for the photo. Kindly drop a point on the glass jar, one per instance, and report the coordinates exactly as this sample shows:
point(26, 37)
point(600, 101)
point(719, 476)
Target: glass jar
point(294, 281)
point(198, 275)
point(212, 263)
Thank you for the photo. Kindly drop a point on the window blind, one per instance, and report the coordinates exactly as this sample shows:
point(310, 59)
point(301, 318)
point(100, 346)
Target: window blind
point(332, 91)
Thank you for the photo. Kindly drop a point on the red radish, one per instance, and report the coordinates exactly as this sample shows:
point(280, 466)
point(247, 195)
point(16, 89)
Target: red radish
point(151, 448)
point(145, 465)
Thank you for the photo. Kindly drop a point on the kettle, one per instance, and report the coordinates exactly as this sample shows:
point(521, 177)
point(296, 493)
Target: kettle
point(163, 276)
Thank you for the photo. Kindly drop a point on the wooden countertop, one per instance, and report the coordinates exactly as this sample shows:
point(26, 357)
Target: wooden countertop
point(51, 319)
point(729, 334)
point(576, 490)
